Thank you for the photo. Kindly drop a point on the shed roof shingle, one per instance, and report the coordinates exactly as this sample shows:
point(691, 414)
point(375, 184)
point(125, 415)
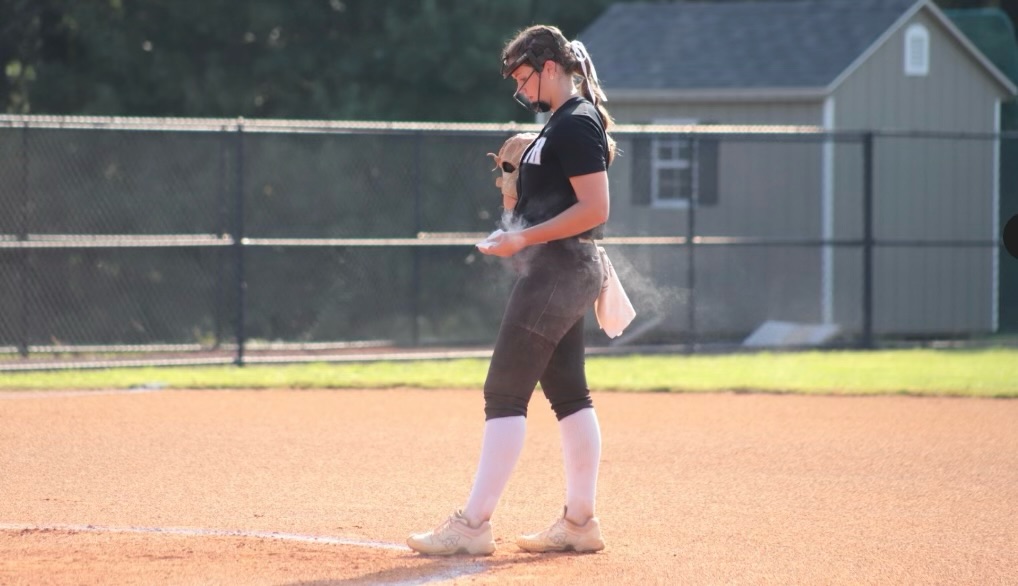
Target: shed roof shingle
point(722, 45)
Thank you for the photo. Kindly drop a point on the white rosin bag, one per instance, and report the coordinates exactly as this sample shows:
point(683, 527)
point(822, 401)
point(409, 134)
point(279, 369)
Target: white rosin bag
point(612, 307)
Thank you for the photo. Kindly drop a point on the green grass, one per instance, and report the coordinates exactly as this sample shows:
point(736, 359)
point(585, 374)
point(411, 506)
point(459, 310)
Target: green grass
point(984, 373)
point(991, 372)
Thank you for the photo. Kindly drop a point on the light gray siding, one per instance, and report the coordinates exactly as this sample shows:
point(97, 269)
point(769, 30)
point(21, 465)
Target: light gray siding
point(954, 96)
point(766, 189)
point(750, 112)
point(924, 188)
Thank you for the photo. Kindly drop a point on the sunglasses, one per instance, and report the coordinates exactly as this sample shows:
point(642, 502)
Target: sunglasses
point(508, 167)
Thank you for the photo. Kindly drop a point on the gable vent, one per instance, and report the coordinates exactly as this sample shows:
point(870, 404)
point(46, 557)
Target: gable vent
point(917, 50)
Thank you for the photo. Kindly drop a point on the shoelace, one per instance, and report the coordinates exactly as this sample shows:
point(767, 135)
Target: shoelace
point(557, 526)
point(447, 524)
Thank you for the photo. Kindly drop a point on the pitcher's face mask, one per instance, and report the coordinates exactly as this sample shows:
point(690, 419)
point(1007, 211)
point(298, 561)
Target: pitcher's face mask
point(521, 98)
point(536, 62)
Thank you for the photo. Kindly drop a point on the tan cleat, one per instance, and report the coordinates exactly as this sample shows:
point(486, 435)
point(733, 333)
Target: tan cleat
point(564, 535)
point(454, 536)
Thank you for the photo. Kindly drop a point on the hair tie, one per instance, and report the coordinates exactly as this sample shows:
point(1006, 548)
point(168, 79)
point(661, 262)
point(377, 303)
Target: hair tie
point(591, 74)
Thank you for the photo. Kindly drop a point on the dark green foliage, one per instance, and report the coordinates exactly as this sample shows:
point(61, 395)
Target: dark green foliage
point(330, 59)
point(327, 59)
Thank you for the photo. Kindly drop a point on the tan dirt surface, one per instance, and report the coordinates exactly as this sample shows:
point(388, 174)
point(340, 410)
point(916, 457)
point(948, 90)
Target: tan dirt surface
point(321, 487)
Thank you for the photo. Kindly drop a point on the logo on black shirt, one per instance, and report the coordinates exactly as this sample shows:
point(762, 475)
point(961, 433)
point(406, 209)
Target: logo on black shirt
point(534, 154)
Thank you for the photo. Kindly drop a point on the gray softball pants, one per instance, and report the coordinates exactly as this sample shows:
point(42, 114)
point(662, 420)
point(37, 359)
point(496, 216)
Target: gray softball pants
point(541, 336)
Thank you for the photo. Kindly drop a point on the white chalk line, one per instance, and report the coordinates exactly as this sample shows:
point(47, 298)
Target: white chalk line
point(199, 532)
point(450, 574)
point(432, 577)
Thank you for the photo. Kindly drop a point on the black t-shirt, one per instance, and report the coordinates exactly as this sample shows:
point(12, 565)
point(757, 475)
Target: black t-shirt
point(572, 143)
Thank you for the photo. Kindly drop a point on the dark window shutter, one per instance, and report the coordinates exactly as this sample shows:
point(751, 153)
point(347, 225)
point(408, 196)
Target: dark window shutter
point(707, 169)
point(640, 170)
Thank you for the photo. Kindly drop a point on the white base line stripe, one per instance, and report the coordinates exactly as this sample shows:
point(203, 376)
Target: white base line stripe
point(196, 532)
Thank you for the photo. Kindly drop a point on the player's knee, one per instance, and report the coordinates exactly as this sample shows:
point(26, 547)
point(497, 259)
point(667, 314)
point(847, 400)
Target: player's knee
point(502, 405)
point(565, 407)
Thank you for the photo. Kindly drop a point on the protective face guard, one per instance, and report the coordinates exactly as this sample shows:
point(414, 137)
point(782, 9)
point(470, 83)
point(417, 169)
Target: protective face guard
point(536, 61)
point(531, 57)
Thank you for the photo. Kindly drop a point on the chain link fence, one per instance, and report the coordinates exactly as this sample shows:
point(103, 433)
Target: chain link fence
point(164, 241)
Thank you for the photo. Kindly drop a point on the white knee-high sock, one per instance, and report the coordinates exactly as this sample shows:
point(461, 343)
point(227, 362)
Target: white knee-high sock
point(581, 453)
point(500, 449)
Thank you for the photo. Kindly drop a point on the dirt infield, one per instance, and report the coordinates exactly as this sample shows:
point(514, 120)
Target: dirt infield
point(321, 487)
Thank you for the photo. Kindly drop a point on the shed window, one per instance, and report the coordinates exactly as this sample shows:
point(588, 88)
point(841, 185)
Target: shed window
point(673, 170)
point(917, 50)
point(671, 183)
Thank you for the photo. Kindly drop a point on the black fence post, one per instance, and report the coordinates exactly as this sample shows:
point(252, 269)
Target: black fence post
point(691, 246)
point(415, 300)
point(24, 266)
point(867, 251)
point(238, 241)
point(222, 229)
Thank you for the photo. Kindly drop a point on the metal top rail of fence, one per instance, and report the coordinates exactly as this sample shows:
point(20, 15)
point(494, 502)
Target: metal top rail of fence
point(290, 126)
point(354, 126)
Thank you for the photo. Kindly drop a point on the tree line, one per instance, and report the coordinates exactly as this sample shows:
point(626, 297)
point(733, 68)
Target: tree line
point(331, 59)
point(324, 59)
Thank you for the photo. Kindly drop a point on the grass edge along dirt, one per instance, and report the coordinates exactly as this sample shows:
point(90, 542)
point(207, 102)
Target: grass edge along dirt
point(986, 372)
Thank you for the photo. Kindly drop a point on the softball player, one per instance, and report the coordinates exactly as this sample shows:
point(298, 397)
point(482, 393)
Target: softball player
point(563, 202)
